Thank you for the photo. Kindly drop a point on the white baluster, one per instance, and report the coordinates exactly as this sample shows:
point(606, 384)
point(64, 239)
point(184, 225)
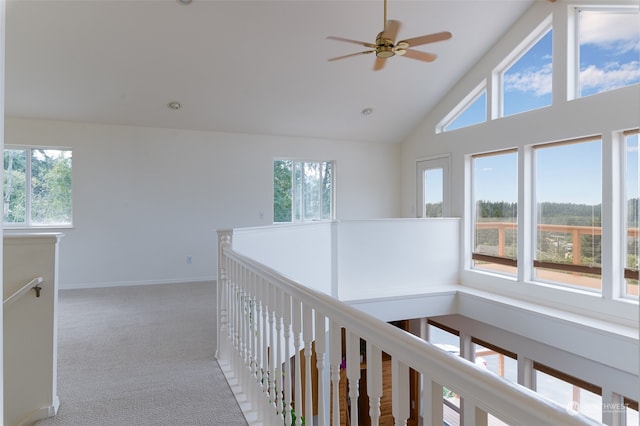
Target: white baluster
point(237, 313)
point(374, 382)
point(253, 340)
point(335, 361)
point(297, 331)
point(224, 240)
point(307, 336)
point(432, 402)
point(259, 349)
point(400, 400)
point(244, 368)
point(221, 294)
point(266, 333)
point(321, 348)
point(279, 351)
point(353, 373)
point(287, 358)
point(272, 355)
point(233, 307)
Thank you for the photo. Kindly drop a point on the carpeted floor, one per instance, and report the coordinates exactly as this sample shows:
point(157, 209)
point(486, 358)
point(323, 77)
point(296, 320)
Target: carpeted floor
point(143, 355)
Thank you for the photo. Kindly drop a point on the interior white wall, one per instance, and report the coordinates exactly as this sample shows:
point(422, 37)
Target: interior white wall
point(604, 114)
point(145, 198)
point(301, 252)
point(387, 258)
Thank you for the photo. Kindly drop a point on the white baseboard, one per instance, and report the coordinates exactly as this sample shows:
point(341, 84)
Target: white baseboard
point(78, 286)
point(40, 414)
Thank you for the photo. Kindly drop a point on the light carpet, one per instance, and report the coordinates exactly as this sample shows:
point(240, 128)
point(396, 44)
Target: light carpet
point(141, 355)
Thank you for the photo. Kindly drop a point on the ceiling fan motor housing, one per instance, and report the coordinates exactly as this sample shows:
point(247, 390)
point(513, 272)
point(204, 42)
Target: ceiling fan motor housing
point(384, 47)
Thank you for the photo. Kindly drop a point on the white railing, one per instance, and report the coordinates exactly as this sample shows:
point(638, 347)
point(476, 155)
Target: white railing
point(34, 284)
point(265, 320)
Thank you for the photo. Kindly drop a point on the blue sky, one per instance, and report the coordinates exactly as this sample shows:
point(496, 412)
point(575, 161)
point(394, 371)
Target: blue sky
point(609, 59)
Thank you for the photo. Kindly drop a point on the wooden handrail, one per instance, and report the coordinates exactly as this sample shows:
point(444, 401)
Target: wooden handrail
point(34, 284)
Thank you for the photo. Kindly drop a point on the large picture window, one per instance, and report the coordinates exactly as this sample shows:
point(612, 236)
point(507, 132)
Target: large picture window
point(568, 192)
point(37, 187)
point(495, 201)
point(302, 190)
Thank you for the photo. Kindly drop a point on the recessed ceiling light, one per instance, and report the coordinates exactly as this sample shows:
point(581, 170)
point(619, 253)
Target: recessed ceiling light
point(184, 2)
point(367, 111)
point(174, 105)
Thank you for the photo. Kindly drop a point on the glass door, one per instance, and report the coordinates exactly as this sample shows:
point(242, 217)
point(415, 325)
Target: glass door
point(433, 187)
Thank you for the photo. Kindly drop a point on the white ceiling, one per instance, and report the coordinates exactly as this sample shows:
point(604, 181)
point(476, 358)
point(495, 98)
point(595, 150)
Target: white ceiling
point(240, 66)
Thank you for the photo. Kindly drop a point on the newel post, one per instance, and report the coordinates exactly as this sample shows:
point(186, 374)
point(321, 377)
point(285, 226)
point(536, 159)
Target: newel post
point(225, 237)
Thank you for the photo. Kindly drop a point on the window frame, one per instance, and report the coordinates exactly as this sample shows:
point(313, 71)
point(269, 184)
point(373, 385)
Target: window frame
point(463, 105)
point(611, 270)
point(574, 46)
point(500, 260)
point(497, 107)
point(27, 224)
point(294, 194)
point(628, 273)
point(575, 268)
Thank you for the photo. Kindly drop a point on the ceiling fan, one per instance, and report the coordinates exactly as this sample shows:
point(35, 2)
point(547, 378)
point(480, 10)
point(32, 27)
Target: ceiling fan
point(386, 47)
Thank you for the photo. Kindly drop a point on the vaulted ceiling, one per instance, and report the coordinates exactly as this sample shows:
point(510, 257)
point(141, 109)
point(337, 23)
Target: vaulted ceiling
point(258, 67)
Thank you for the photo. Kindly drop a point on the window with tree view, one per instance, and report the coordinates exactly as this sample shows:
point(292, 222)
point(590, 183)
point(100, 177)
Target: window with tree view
point(302, 190)
point(37, 187)
point(495, 195)
point(568, 191)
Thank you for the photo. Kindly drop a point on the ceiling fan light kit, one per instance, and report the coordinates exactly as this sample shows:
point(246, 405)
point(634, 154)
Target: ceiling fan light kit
point(385, 46)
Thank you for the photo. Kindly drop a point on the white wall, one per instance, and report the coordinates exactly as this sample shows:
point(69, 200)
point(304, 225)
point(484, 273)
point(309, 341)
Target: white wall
point(301, 252)
point(604, 114)
point(146, 198)
point(30, 329)
point(396, 257)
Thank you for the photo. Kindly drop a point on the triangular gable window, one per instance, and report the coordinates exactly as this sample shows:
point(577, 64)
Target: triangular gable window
point(471, 110)
point(526, 79)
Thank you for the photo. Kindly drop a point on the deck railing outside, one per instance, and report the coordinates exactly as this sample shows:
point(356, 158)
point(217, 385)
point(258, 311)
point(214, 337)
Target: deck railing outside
point(270, 328)
point(572, 251)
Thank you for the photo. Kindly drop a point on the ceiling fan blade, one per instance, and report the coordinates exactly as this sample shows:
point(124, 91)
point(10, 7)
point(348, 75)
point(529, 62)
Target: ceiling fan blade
point(421, 56)
point(431, 38)
point(351, 55)
point(361, 43)
point(379, 63)
point(391, 29)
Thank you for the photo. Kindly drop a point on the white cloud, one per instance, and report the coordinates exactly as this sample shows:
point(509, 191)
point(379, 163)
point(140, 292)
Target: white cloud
point(536, 81)
point(611, 77)
point(614, 30)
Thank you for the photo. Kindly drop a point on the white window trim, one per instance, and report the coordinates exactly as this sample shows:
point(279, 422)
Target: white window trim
point(573, 85)
point(332, 212)
point(27, 225)
point(462, 106)
point(497, 104)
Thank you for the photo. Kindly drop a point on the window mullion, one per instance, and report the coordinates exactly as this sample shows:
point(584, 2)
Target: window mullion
point(526, 219)
point(613, 223)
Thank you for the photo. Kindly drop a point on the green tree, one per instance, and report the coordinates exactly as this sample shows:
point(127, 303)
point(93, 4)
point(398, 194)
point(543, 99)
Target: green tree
point(51, 186)
point(14, 186)
point(282, 191)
